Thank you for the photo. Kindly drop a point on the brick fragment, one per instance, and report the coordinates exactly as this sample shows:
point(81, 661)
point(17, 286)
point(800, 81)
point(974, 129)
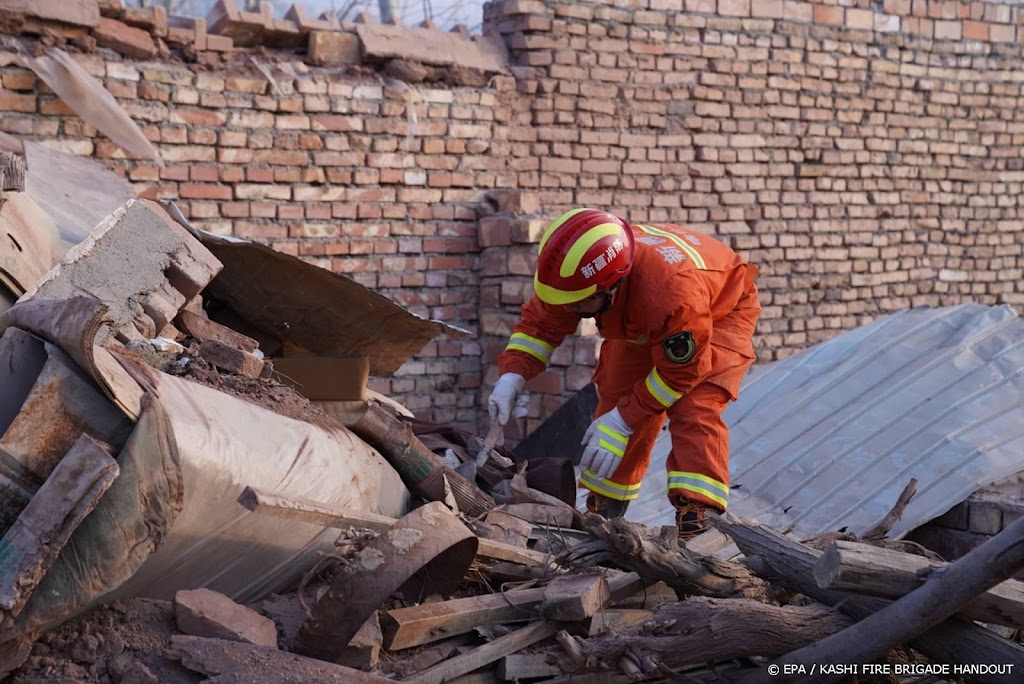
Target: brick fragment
point(229, 359)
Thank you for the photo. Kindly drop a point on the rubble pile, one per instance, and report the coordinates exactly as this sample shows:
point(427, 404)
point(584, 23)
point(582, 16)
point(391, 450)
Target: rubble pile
point(196, 484)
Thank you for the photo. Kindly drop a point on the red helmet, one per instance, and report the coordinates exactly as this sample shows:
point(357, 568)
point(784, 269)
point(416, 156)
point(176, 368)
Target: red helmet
point(582, 252)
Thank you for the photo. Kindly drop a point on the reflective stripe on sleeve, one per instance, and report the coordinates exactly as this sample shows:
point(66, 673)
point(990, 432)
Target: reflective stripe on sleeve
point(535, 347)
point(665, 395)
point(613, 490)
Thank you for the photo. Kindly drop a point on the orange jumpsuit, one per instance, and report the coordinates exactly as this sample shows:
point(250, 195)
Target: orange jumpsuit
point(677, 341)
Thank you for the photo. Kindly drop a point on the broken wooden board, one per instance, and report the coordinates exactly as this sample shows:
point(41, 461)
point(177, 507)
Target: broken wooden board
point(29, 547)
point(320, 312)
point(484, 655)
point(219, 657)
point(540, 514)
point(501, 526)
point(417, 625)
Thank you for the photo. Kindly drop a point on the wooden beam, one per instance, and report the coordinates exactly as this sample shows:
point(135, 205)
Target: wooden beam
point(867, 569)
point(575, 597)
point(484, 655)
point(517, 666)
point(617, 618)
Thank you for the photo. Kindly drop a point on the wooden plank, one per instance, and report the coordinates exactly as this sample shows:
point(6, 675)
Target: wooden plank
point(877, 571)
point(500, 526)
point(540, 514)
point(484, 655)
point(575, 597)
point(68, 495)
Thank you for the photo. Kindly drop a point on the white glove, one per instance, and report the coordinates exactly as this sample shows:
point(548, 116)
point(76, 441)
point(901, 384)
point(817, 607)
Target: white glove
point(503, 397)
point(604, 443)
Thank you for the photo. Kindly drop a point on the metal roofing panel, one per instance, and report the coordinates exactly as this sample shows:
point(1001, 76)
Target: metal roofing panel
point(827, 438)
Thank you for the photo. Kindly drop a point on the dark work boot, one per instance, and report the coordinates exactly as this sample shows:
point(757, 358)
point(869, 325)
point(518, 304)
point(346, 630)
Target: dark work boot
point(606, 507)
point(690, 518)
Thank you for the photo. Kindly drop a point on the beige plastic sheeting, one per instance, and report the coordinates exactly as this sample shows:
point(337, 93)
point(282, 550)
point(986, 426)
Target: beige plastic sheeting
point(90, 100)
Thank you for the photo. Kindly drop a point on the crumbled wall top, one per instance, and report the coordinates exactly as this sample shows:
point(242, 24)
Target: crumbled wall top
point(148, 32)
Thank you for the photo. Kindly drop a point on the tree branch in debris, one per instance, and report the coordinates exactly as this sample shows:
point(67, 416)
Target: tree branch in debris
point(882, 527)
point(635, 547)
point(791, 564)
point(700, 630)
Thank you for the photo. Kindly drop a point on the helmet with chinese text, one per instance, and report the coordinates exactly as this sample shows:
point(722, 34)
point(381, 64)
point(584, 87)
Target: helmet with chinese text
point(584, 251)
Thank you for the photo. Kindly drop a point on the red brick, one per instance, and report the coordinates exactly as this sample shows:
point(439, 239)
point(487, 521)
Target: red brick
point(203, 191)
point(128, 40)
point(735, 8)
point(828, 14)
point(12, 102)
point(976, 30)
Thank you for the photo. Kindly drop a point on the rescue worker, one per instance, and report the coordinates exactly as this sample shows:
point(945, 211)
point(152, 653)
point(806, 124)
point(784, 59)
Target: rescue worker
point(676, 310)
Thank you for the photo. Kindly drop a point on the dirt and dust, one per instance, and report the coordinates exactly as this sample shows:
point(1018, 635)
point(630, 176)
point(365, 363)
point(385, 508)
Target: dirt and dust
point(265, 393)
point(120, 643)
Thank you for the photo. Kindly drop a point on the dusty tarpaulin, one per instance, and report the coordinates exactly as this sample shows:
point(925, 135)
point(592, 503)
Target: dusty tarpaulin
point(827, 438)
point(77, 193)
point(285, 299)
point(90, 100)
point(224, 444)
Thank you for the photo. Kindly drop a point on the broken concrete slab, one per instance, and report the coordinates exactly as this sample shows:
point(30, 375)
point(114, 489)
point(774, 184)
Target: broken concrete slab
point(206, 613)
point(430, 46)
point(97, 267)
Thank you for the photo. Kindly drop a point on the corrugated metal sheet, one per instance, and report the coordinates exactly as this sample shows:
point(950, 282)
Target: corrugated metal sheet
point(827, 438)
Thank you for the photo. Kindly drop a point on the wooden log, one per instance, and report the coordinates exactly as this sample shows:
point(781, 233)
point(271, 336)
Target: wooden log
point(484, 655)
point(617, 619)
point(791, 564)
point(940, 597)
point(245, 662)
point(33, 542)
point(703, 629)
point(298, 508)
point(422, 471)
point(634, 546)
point(876, 571)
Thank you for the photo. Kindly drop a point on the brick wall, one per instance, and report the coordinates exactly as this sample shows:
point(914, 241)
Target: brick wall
point(867, 156)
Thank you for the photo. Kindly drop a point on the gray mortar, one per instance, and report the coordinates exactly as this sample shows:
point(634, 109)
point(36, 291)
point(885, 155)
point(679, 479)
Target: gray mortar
point(121, 262)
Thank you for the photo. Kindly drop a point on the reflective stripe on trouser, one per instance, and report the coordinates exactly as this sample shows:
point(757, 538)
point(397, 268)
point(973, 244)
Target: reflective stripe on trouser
point(698, 466)
point(620, 366)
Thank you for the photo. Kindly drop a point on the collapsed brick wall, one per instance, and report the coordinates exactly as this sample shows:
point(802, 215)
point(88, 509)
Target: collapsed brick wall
point(864, 157)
